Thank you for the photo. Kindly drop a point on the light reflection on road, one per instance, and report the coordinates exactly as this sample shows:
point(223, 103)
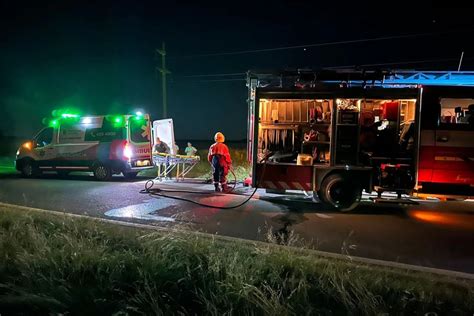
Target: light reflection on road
point(460, 220)
point(143, 211)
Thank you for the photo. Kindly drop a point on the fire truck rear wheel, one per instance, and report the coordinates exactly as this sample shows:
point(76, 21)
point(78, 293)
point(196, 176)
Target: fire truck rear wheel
point(339, 192)
point(102, 172)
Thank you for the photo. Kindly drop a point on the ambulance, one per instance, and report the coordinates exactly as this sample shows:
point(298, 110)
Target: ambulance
point(104, 144)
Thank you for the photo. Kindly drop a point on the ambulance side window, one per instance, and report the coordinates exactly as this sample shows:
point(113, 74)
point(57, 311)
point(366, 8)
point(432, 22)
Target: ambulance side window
point(71, 133)
point(45, 137)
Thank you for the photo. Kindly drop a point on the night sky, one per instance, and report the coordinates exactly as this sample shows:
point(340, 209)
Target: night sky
point(100, 57)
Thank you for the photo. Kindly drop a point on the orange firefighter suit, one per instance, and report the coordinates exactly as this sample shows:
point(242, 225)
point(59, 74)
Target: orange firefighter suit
point(219, 158)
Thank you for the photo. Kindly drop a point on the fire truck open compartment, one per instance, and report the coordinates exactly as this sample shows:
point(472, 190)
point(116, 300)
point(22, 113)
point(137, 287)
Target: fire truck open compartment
point(300, 142)
point(361, 129)
point(285, 127)
point(336, 133)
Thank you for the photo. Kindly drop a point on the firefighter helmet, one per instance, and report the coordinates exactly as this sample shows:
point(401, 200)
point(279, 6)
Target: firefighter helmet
point(219, 137)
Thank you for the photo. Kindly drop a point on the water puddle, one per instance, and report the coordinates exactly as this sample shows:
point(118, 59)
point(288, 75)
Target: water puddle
point(148, 210)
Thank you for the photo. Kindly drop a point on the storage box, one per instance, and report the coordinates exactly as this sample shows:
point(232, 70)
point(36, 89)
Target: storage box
point(348, 117)
point(304, 160)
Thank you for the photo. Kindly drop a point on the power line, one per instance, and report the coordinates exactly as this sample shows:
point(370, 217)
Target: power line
point(383, 38)
point(217, 80)
point(424, 61)
point(421, 61)
point(215, 75)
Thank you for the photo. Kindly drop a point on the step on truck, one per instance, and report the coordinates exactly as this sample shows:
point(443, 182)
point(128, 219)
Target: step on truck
point(103, 144)
point(337, 133)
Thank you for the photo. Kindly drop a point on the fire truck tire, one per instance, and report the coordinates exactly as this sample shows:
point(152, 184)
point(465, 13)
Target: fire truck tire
point(102, 172)
point(130, 175)
point(339, 192)
point(29, 169)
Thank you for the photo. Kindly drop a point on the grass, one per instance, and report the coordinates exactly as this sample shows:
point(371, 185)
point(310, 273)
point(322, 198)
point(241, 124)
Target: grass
point(7, 165)
point(56, 264)
point(203, 168)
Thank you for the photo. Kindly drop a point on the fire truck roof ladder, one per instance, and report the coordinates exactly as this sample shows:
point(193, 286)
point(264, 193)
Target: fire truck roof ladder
point(381, 78)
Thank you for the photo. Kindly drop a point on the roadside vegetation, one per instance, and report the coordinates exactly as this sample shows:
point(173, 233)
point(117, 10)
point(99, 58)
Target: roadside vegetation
point(56, 264)
point(7, 165)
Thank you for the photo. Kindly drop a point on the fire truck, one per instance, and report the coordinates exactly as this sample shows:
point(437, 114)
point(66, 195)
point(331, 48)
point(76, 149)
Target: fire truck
point(335, 133)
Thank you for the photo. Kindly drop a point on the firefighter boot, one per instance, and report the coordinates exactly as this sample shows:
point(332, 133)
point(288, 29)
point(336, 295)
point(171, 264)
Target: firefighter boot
point(216, 187)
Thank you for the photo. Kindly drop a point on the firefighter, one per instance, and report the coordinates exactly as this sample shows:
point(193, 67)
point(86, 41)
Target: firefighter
point(219, 158)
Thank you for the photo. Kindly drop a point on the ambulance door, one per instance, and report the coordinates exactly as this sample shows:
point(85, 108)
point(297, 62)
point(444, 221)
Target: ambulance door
point(45, 151)
point(164, 129)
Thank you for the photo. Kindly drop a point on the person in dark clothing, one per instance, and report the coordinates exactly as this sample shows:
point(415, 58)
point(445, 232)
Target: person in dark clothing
point(407, 137)
point(161, 147)
point(471, 115)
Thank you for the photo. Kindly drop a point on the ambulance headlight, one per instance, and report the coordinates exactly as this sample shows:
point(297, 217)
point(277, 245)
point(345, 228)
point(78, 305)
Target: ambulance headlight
point(27, 145)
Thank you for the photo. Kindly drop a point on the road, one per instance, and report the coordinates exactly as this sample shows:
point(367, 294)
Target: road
point(430, 233)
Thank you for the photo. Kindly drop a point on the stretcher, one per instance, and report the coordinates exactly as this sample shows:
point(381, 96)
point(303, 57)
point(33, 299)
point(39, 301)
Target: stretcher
point(167, 163)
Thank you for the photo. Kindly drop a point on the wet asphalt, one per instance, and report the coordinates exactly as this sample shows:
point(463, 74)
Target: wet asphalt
point(429, 233)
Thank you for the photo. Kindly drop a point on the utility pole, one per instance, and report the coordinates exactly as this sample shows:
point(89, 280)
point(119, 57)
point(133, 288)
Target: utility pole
point(164, 72)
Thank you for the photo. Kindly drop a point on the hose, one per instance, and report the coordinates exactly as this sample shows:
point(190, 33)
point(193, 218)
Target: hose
point(158, 192)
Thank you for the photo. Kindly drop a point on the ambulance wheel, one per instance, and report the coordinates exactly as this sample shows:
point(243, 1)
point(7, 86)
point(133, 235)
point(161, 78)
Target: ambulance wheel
point(29, 169)
point(102, 172)
point(339, 192)
point(130, 175)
